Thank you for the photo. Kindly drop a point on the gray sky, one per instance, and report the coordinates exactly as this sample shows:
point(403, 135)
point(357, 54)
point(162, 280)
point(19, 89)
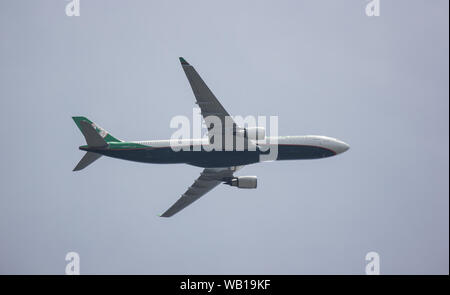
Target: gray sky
point(324, 67)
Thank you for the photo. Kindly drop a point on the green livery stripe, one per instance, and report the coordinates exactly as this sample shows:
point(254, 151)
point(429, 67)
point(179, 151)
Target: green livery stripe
point(126, 146)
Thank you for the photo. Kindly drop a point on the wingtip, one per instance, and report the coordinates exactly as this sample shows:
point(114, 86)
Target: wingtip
point(183, 61)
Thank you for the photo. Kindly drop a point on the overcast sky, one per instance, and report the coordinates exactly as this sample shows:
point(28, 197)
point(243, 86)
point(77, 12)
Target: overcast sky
point(324, 67)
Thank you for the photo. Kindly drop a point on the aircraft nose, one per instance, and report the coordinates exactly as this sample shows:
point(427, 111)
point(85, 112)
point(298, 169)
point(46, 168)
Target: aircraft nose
point(341, 147)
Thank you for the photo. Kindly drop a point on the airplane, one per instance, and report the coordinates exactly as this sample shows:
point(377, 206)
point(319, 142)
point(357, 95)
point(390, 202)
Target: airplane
point(219, 165)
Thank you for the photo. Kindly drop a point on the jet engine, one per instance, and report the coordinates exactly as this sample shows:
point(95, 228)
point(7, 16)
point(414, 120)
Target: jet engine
point(243, 181)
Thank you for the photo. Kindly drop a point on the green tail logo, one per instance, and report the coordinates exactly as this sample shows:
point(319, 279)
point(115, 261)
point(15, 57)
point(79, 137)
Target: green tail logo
point(103, 133)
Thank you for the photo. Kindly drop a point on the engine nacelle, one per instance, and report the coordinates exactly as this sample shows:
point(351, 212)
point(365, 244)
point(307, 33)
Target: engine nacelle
point(243, 181)
point(256, 133)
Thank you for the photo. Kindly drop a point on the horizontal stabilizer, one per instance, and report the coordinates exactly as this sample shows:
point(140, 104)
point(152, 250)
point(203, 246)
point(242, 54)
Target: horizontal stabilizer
point(88, 159)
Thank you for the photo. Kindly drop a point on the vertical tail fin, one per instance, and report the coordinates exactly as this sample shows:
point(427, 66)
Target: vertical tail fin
point(95, 136)
point(103, 133)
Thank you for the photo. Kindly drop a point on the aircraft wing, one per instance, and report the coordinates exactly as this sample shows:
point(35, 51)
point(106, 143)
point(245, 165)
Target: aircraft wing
point(208, 103)
point(209, 179)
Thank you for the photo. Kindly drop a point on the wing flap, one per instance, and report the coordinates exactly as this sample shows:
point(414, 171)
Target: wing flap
point(189, 197)
point(205, 99)
point(209, 179)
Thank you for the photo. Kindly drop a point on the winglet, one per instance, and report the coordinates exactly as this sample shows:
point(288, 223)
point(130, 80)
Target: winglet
point(184, 62)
